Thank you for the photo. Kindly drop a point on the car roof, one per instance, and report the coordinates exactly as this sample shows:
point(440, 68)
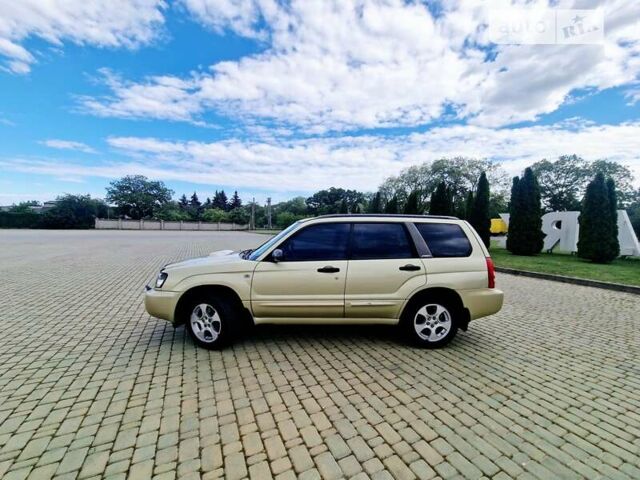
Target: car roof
point(380, 216)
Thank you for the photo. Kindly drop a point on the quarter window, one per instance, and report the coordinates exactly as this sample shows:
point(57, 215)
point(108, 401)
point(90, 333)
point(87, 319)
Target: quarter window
point(379, 241)
point(445, 239)
point(323, 241)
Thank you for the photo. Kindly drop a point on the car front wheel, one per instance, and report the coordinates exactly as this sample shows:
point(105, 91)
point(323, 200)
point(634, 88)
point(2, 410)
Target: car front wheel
point(208, 322)
point(431, 323)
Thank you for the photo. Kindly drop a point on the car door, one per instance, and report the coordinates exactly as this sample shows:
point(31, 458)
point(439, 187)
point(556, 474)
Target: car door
point(384, 269)
point(309, 281)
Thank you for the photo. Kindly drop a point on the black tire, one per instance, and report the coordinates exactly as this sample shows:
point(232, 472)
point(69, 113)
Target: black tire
point(210, 320)
point(430, 322)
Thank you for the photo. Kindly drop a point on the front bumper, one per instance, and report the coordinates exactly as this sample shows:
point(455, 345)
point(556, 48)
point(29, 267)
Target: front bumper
point(482, 302)
point(161, 304)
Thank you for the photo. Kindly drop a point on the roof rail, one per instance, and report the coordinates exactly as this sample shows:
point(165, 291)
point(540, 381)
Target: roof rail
point(390, 215)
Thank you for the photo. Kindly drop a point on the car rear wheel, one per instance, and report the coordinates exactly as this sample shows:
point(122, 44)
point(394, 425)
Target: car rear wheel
point(208, 322)
point(431, 323)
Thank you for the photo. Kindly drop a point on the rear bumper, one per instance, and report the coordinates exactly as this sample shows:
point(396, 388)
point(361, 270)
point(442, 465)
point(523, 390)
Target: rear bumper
point(161, 304)
point(482, 302)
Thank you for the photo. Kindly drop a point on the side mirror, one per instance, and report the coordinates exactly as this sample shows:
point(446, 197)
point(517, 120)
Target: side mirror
point(277, 255)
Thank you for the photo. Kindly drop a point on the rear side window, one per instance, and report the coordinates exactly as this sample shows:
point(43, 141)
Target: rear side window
point(445, 239)
point(380, 241)
point(324, 241)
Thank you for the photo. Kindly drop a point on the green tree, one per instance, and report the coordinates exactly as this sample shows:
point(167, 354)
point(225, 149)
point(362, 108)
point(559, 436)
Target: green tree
point(239, 216)
point(498, 204)
point(392, 206)
point(561, 181)
point(195, 207)
point(441, 202)
point(460, 174)
point(330, 201)
point(525, 235)
point(183, 202)
point(284, 219)
point(220, 200)
point(74, 211)
point(613, 208)
point(634, 213)
point(344, 207)
point(412, 207)
point(375, 205)
point(468, 206)
point(24, 207)
point(479, 218)
point(137, 197)
point(214, 215)
point(235, 201)
point(171, 212)
point(621, 175)
point(597, 225)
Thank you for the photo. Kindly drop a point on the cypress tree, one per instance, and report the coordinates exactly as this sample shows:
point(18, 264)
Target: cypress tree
point(375, 206)
point(513, 201)
point(596, 223)
point(441, 202)
point(468, 205)
point(525, 235)
point(613, 205)
point(479, 218)
point(392, 205)
point(411, 207)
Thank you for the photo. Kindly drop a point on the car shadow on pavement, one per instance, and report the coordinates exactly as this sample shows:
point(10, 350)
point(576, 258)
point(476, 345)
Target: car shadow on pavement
point(313, 333)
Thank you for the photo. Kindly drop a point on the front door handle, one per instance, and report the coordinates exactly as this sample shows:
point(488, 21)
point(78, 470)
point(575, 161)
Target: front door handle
point(409, 268)
point(328, 269)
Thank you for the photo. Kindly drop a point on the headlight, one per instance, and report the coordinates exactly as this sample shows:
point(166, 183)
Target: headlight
point(162, 276)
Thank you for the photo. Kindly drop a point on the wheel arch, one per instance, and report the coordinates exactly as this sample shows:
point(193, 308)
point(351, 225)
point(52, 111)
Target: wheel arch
point(444, 294)
point(213, 290)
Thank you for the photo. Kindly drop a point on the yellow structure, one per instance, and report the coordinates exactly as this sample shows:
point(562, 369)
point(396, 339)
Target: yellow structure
point(498, 227)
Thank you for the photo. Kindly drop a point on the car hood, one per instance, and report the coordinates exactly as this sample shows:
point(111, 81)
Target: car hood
point(217, 262)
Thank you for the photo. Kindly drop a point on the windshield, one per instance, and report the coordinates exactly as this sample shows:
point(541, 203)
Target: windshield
point(269, 243)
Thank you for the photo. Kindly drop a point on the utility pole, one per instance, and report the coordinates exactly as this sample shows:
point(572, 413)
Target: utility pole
point(252, 222)
point(269, 213)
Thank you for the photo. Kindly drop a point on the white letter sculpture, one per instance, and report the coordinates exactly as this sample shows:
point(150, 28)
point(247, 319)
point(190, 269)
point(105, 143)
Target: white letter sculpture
point(562, 230)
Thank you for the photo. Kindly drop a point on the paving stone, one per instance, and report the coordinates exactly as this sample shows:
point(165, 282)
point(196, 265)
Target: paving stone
point(117, 393)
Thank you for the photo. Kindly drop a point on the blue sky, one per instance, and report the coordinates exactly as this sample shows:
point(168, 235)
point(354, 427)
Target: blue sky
point(278, 99)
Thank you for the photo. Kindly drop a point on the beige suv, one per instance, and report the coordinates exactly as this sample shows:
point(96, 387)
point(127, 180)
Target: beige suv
point(430, 275)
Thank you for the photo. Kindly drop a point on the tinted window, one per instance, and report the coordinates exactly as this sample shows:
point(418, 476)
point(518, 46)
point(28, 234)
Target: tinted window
point(380, 240)
point(326, 241)
point(445, 239)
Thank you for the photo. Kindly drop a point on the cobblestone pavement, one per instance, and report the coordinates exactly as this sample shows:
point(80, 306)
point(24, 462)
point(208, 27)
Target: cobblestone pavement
point(92, 387)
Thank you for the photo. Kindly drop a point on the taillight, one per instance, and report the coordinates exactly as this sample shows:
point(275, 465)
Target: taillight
point(491, 272)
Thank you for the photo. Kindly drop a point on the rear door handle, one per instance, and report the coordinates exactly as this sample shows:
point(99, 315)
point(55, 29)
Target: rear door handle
point(410, 268)
point(328, 269)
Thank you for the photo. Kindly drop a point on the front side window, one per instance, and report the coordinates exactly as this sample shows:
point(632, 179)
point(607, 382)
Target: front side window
point(323, 241)
point(380, 241)
point(445, 239)
point(272, 241)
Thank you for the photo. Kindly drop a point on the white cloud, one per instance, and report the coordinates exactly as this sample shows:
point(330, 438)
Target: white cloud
point(341, 65)
point(68, 145)
point(361, 162)
point(103, 23)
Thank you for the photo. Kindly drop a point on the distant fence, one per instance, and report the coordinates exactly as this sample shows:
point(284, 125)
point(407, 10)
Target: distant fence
point(119, 224)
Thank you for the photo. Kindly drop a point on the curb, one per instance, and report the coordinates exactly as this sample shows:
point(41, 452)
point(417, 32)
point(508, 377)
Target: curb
point(576, 281)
